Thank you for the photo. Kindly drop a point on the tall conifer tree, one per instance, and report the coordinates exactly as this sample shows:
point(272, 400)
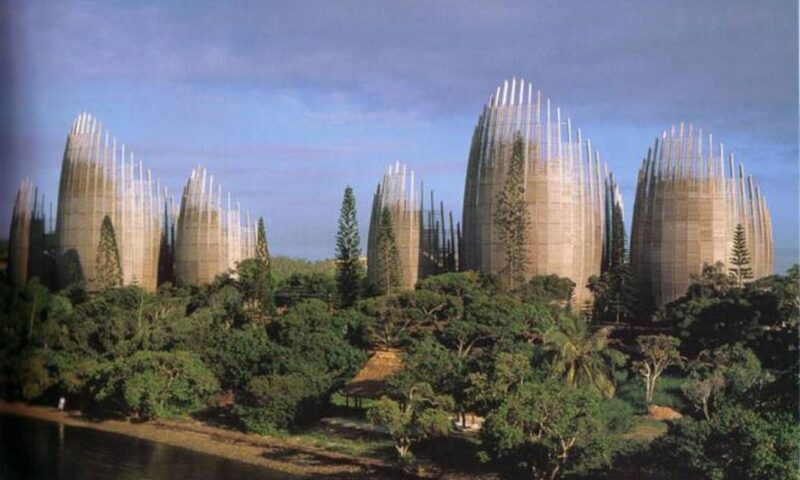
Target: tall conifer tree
point(390, 271)
point(265, 269)
point(108, 266)
point(511, 217)
point(617, 259)
point(740, 257)
point(348, 252)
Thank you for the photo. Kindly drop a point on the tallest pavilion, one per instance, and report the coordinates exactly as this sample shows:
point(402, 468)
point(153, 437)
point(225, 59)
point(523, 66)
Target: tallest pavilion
point(565, 189)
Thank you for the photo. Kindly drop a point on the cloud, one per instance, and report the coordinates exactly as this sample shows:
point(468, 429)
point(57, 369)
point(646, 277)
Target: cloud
point(362, 83)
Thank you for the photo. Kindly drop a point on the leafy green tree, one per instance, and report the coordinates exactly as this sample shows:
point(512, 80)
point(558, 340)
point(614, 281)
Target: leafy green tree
point(735, 443)
point(241, 354)
point(618, 295)
point(489, 388)
point(428, 361)
point(34, 375)
point(729, 371)
point(547, 289)
point(389, 270)
point(299, 287)
point(156, 384)
point(419, 413)
point(658, 352)
point(349, 270)
point(740, 257)
point(511, 217)
point(271, 403)
point(777, 299)
point(397, 317)
point(108, 266)
point(581, 356)
point(253, 284)
point(549, 429)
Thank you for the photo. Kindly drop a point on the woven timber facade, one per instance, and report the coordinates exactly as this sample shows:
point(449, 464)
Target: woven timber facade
point(564, 189)
point(27, 241)
point(100, 178)
point(426, 245)
point(689, 200)
point(210, 239)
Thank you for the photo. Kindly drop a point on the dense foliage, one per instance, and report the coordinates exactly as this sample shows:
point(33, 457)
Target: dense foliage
point(128, 353)
point(546, 380)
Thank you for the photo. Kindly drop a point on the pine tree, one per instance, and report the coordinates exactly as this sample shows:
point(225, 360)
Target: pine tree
point(740, 257)
point(389, 268)
point(511, 217)
point(265, 268)
point(108, 266)
point(262, 250)
point(348, 252)
point(617, 259)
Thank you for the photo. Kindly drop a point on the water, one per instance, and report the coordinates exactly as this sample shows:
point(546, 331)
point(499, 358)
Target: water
point(33, 449)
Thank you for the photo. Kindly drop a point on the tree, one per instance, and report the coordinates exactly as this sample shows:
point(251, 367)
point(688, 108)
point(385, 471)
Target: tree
point(735, 443)
point(658, 352)
point(581, 356)
point(156, 384)
point(262, 288)
point(547, 289)
point(108, 267)
point(731, 370)
point(262, 248)
point(740, 257)
point(388, 268)
point(272, 402)
point(511, 217)
point(549, 428)
point(348, 252)
point(617, 253)
point(419, 413)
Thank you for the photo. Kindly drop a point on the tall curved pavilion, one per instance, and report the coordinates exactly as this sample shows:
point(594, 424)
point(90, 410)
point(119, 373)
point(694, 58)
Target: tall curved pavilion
point(100, 178)
point(688, 203)
point(563, 182)
point(396, 192)
point(210, 239)
point(26, 241)
point(426, 243)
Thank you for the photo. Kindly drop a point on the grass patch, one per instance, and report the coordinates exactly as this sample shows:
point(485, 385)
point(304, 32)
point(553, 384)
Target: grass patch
point(630, 388)
point(356, 443)
point(645, 429)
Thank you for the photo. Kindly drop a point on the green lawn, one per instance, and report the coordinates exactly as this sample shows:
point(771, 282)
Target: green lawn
point(668, 392)
point(362, 444)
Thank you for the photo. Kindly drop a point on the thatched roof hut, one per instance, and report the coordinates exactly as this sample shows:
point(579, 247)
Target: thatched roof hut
point(371, 380)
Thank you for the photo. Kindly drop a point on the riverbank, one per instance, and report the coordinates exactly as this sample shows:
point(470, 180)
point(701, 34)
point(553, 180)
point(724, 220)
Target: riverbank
point(283, 455)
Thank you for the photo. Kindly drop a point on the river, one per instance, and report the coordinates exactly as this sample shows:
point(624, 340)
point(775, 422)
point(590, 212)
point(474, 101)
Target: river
point(33, 449)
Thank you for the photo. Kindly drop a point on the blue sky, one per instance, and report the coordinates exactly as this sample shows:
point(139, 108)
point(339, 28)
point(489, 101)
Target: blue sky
point(288, 102)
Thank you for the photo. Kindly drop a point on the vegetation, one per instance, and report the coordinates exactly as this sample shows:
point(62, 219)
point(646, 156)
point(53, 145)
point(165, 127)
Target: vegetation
point(511, 217)
point(658, 352)
point(349, 271)
point(108, 266)
point(740, 257)
point(419, 413)
point(388, 268)
point(557, 393)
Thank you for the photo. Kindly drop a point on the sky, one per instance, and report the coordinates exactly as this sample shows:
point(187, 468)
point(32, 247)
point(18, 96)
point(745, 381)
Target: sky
point(286, 103)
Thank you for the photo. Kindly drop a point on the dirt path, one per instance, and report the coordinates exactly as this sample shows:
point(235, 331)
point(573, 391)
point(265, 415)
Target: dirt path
point(273, 453)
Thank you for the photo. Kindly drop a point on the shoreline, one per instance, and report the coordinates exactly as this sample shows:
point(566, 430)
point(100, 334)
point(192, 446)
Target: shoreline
point(278, 455)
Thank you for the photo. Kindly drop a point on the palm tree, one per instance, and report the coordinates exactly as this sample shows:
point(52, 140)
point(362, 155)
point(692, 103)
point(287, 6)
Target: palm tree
point(581, 356)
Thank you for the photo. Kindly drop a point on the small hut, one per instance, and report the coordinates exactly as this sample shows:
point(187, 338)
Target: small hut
point(370, 382)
